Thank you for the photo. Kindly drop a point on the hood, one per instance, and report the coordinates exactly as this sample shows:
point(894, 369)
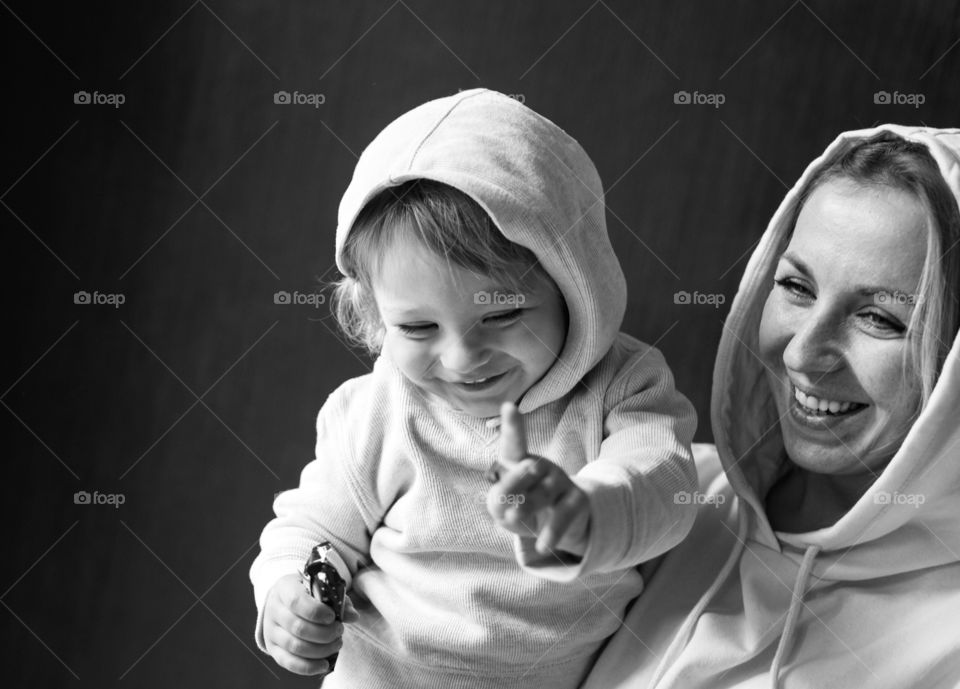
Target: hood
point(881, 534)
point(537, 185)
point(877, 537)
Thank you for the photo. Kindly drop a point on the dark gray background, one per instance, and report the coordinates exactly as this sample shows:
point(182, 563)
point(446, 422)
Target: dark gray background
point(195, 400)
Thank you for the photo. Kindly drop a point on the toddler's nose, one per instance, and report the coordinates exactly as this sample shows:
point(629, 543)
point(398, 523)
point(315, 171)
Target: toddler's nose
point(463, 355)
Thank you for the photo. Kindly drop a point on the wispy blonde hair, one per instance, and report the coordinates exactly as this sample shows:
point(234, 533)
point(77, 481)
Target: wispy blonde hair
point(444, 220)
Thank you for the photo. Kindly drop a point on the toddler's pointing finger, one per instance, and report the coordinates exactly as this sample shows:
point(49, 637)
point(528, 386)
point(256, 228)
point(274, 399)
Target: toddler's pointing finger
point(513, 438)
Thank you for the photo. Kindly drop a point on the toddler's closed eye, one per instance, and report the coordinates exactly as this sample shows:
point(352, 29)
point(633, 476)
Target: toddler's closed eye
point(416, 328)
point(506, 317)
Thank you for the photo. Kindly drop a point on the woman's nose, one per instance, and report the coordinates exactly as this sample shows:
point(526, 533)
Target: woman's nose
point(464, 354)
point(814, 345)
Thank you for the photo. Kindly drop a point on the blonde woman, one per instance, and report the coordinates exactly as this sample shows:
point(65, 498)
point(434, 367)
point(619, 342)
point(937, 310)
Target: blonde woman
point(826, 551)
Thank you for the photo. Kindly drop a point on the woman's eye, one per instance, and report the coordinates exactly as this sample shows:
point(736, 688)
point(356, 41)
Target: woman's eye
point(879, 321)
point(794, 287)
point(505, 317)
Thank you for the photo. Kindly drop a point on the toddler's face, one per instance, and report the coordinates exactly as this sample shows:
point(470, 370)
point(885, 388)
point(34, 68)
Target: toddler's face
point(461, 337)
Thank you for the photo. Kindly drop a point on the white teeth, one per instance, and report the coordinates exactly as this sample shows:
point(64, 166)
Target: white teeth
point(822, 406)
point(478, 380)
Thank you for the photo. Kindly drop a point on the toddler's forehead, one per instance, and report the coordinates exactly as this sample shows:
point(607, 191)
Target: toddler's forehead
point(413, 276)
point(413, 267)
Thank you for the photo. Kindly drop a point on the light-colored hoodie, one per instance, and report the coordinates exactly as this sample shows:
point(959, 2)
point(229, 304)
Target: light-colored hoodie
point(446, 597)
point(871, 601)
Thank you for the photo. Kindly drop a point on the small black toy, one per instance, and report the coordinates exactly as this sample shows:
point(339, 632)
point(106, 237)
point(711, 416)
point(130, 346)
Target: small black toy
point(324, 583)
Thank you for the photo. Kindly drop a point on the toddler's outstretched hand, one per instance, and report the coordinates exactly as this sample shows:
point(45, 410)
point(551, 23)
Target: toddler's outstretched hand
point(298, 630)
point(533, 496)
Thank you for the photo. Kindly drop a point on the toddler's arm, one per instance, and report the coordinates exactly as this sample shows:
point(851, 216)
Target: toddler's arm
point(637, 484)
point(328, 505)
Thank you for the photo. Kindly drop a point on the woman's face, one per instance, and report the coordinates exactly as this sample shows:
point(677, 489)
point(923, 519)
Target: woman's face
point(833, 330)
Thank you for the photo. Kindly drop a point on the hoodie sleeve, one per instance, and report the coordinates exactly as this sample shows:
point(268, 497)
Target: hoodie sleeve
point(642, 483)
point(328, 505)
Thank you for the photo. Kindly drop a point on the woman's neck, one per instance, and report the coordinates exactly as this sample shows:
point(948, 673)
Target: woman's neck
point(802, 500)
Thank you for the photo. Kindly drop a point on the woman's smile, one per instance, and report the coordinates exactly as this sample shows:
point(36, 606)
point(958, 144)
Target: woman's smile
point(820, 412)
point(823, 405)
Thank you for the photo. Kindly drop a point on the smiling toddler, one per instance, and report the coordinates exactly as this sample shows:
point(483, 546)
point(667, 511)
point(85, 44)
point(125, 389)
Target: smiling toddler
point(477, 269)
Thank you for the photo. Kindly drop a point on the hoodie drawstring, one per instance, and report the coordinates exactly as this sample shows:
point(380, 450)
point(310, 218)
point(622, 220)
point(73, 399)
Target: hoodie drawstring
point(683, 635)
point(786, 638)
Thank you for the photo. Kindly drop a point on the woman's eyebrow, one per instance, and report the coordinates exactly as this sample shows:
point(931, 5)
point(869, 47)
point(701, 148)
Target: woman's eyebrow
point(796, 262)
point(863, 290)
point(871, 290)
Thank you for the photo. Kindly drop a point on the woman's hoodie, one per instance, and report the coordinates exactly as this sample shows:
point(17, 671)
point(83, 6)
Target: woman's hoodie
point(871, 601)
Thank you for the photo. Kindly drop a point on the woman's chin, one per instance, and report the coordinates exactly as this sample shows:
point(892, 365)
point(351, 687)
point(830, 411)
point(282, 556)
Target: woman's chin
point(862, 442)
point(827, 453)
point(822, 458)
point(824, 443)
